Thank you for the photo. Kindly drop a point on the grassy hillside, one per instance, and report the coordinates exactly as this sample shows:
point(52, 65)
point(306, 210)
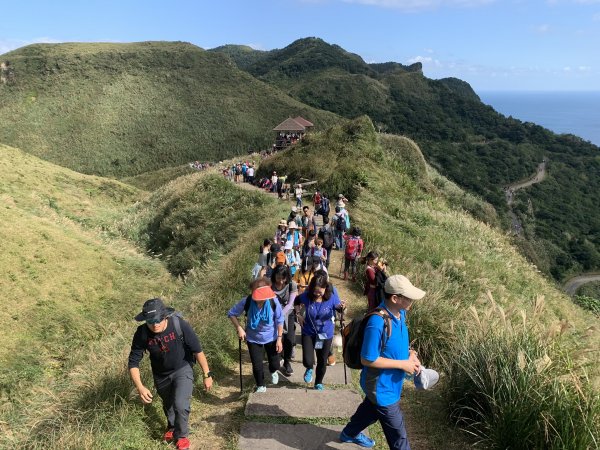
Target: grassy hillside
point(465, 140)
point(123, 109)
point(490, 319)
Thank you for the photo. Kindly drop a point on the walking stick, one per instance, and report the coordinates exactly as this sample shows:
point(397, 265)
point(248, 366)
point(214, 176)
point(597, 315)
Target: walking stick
point(241, 382)
point(342, 334)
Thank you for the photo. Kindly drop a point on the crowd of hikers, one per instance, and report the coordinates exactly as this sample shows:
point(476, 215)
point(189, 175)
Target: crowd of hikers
point(292, 288)
point(197, 165)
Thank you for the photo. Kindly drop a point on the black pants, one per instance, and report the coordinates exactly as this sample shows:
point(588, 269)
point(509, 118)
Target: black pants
point(308, 356)
point(289, 338)
point(328, 256)
point(257, 352)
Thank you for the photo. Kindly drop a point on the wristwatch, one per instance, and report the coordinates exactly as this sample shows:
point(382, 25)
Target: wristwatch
point(209, 374)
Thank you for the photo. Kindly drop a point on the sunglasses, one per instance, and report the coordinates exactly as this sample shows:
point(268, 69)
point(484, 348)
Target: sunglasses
point(153, 321)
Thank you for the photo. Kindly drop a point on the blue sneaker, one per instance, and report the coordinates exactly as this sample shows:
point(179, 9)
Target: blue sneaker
point(308, 375)
point(361, 439)
point(319, 387)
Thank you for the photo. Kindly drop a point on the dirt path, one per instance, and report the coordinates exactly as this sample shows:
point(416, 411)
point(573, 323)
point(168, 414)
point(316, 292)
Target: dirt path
point(575, 283)
point(510, 190)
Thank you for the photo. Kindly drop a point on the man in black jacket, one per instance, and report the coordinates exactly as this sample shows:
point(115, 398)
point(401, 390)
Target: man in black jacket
point(173, 348)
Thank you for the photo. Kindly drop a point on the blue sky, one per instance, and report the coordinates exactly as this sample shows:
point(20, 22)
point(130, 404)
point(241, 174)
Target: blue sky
point(492, 44)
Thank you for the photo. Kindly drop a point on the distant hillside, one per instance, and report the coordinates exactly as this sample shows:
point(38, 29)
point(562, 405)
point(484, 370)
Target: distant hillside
point(123, 109)
point(464, 139)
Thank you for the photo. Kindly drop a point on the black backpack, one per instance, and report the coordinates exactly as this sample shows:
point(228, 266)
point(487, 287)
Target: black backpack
point(354, 333)
point(247, 304)
point(325, 205)
point(340, 223)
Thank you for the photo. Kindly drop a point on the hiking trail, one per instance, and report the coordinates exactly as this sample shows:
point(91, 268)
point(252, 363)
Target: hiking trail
point(292, 415)
point(510, 190)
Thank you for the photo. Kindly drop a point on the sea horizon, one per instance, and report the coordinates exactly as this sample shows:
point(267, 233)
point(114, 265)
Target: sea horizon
point(563, 112)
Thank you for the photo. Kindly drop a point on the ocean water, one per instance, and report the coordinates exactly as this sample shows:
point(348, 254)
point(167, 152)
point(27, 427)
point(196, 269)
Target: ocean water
point(576, 113)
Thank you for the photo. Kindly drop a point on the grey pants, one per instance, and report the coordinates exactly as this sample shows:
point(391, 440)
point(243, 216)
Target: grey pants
point(176, 393)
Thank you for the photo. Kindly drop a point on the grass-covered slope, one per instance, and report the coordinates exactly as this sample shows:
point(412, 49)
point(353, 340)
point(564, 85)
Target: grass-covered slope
point(466, 140)
point(123, 109)
point(505, 337)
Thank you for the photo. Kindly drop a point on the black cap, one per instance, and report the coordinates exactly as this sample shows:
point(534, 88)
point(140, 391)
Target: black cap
point(154, 309)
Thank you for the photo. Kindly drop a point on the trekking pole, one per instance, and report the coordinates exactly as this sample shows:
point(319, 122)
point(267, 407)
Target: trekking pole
point(343, 360)
point(241, 382)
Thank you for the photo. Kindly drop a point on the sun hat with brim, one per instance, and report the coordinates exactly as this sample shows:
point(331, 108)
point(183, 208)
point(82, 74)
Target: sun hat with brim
point(154, 309)
point(293, 226)
point(263, 293)
point(283, 223)
point(288, 245)
point(400, 285)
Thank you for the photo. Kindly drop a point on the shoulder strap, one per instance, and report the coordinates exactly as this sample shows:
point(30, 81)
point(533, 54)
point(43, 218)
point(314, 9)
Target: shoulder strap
point(177, 325)
point(247, 304)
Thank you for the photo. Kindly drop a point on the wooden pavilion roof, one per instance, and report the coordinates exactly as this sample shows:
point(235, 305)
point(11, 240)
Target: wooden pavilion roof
point(289, 124)
point(302, 121)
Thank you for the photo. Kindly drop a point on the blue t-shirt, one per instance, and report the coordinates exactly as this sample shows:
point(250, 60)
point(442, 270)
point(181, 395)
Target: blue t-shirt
point(383, 387)
point(318, 315)
point(265, 333)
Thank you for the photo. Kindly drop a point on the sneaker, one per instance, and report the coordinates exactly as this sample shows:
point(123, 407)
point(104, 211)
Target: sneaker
point(319, 387)
point(331, 360)
point(168, 436)
point(360, 439)
point(261, 389)
point(274, 378)
point(308, 375)
point(287, 370)
point(182, 444)
point(426, 379)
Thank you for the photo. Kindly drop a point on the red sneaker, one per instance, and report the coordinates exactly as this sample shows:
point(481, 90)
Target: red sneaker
point(168, 436)
point(183, 444)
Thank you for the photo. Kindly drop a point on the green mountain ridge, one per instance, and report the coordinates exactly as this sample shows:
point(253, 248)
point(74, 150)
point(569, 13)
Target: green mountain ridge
point(466, 140)
point(123, 109)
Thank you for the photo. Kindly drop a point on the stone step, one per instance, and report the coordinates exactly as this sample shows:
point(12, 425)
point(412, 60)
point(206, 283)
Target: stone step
point(303, 403)
point(334, 374)
point(270, 436)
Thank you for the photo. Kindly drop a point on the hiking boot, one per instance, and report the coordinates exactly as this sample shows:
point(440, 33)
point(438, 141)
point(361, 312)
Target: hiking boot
point(319, 387)
point(308, 375)
point(274, 378)
point(360, 439)
point(168, 436)
point(331, 360)
point(261, 389)
point(182, 444)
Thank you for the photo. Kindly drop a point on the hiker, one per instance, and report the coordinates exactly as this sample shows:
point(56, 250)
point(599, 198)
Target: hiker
point(250, 174)
point(339, 225)
point(298, 192)
point(341, 201)
point(372, 260)
point(325, 206)
point(306, 273)
point(384, 368)
point(326, 233)
point(260, 268)
point(354, 247)
point(281, 233)
point(292, 257)
point(294, 235)
point(264, 329)
point(309, 243)
point(276, 257)
point(318, 251)
point(274, 181)
point(173, 348)
point(317, 201)
point(319, 303)
point(286, 290)
point(380, 277)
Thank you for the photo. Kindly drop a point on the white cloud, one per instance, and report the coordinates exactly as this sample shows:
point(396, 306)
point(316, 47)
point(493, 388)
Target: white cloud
point(584, 68)
point(425, 60)
point(542, 29)
point(420, 5)
point(567, 69)
point(6, 45)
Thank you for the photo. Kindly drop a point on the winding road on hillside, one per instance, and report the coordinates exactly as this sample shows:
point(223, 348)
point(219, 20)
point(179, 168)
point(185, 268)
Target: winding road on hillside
point(575, 283)
point(510, 190)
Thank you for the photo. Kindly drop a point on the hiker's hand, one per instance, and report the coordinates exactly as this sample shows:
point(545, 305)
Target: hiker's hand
point(241, 333)
point(208, 383)
point(413, 354)
point(300, 320)
point(278, 345)
point(410, 366)
point(145, 395)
